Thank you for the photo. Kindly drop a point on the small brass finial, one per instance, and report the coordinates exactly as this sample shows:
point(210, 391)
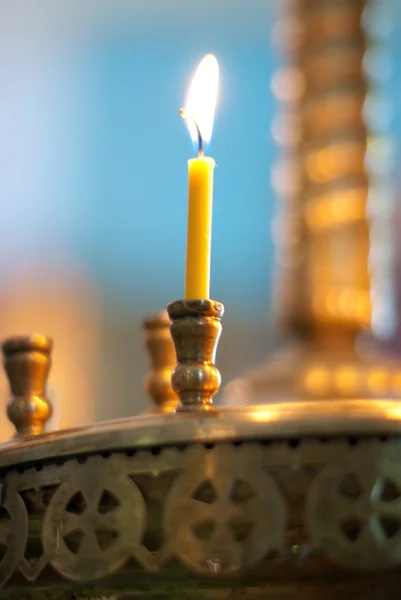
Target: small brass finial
point(195, 329)
point(27, 361)
point(163, 360)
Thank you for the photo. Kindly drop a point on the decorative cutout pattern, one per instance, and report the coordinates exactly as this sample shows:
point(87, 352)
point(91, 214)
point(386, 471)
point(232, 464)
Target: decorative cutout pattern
point(225, 521)
point(215, 511)
point(95, 522)
point(354, 511)
point(13, 535)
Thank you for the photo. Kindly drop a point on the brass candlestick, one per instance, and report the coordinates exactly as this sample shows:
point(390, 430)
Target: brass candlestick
point(27, 361)
point(195, 329)
point(162, 356)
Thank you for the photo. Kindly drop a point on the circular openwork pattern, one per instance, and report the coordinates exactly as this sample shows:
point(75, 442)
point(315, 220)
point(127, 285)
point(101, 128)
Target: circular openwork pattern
point(13, 535)
point(225, 514)
point(94, 522)
point(354, 511)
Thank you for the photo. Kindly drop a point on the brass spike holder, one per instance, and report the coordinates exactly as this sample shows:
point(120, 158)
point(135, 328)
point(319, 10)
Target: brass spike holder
point(27, 361)
point(196, 329)
point(162, 356)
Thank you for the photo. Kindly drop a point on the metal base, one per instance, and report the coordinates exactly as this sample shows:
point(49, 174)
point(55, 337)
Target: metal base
point(320, 370)
point(281, 501)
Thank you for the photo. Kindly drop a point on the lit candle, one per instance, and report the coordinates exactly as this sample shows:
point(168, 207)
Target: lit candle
point(199, 115)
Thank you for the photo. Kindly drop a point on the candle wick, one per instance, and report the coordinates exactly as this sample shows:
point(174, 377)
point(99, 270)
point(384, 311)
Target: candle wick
point(200, 140)
point(185, 115)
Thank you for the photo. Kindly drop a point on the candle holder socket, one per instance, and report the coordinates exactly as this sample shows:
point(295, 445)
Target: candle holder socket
point(27, 361)
point(195, 328)
point(163, 359)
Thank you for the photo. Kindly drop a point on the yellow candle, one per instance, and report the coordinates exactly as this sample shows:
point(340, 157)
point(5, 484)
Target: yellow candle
point(199, 233)
point(199, 114)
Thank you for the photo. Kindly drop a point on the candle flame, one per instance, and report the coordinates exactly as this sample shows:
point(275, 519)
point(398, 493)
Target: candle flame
point(201, 100)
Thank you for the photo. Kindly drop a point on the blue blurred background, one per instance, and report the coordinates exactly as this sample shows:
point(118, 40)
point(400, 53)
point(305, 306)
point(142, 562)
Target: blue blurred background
point(94, 185)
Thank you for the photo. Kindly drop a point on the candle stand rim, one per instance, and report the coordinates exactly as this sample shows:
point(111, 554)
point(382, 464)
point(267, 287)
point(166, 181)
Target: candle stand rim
point(202, 307)
point(274, 421)
point(25, 343)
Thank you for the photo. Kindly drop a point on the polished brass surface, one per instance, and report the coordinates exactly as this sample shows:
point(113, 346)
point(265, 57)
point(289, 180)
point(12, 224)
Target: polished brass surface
point(275, 421)
point(27, 361)
point(163, 360)
point(195, 329)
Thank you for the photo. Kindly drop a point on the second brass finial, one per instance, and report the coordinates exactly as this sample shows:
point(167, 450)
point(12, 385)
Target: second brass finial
point(27, 361)
point(162, 356)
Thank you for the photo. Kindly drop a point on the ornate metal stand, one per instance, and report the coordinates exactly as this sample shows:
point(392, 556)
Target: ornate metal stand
point(289, 500)
point(294, 500)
